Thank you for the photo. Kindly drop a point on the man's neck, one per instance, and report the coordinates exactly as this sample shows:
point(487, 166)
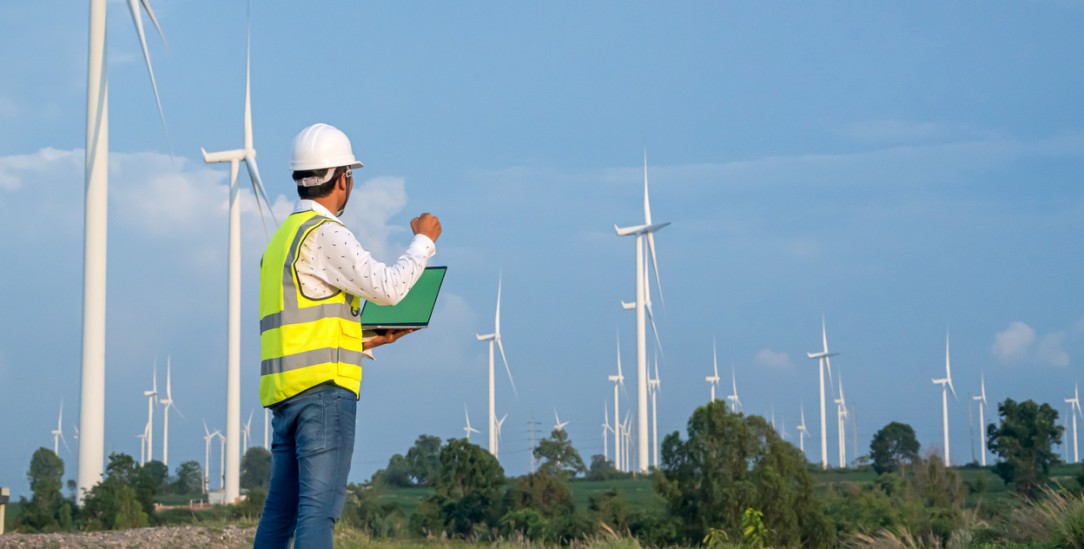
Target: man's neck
point(328, 202)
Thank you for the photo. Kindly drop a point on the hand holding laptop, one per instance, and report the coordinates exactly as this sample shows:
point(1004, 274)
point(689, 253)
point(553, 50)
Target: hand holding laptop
point(384, 337)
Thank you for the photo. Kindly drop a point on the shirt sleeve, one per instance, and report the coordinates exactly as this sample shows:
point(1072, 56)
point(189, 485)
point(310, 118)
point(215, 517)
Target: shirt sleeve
point(346, 265)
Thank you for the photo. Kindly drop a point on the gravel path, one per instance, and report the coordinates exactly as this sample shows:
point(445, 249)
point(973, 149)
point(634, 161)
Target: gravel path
point(178, 537)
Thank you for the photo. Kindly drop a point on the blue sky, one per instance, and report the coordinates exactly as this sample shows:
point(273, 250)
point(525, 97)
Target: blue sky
point(902, 169)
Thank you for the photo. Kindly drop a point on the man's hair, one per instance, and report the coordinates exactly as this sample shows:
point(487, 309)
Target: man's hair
point(319, 191)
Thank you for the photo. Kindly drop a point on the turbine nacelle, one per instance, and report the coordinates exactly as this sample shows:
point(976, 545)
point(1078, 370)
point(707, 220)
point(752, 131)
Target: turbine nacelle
point(638, 230)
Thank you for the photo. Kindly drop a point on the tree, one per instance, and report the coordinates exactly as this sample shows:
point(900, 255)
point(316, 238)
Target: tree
point(256, 469)
point(601, 468)
point(731, 463)
point(397, 473)
point(558, 453)
point(469, 491)
point(46, 475)
point(894, 446)
point(1023, 441)
point(423, 460)
point(189, 478)
point(159, 474)
point(123, 500)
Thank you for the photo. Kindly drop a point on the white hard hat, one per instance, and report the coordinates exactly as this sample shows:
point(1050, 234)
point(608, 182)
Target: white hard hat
point(322, 146)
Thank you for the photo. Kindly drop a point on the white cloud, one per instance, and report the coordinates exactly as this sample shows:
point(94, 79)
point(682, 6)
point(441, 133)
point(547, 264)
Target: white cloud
point(772, 359)
point(37, 167)
point(1013, 342)
point(1051, 349)
point(371, 205)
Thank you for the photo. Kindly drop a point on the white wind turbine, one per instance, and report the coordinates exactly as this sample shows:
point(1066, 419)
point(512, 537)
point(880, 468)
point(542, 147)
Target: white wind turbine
point(221, 459)
point(1074, 409)
point(946, 386)
point(495, 338)
point(627, 438)
point(246, 154)
point(606, 428)
point(96, 167)
point(167, 404)
point(713, 379)
point(208, 437)
point(246, 432)
point(823, 356)
point(618, 381)
point(468, 429)
point(803, 432)
point(58, 433)
point(499, 423)
point(841, 417)
point(143, 445)
point(654, 386)
point(152, 396)
point(640, 232)
point(558, 425)
point(981, 398)
point(733, 399)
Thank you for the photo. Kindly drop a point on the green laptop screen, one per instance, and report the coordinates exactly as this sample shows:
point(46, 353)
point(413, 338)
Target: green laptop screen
point(414, 310)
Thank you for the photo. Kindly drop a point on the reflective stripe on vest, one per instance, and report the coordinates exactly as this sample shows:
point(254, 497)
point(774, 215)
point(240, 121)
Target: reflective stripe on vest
point(303, 342)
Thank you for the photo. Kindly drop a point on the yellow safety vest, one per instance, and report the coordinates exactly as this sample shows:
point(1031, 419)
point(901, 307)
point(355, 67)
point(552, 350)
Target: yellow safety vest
point(303, 342)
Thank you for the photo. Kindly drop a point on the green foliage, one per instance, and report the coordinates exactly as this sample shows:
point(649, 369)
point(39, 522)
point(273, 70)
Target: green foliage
point(1024, 440)
point(731, 463)
point(893, 447)
point(469, 492)
point(250, 508)
point(423, 460)
point(753, 531)
point(256, 469)
point(189, 479)
point(611, 509)
point(125, 499)
point(397, 473)
point(43, 512)
point(545, 491)
point(365, 511)
point(601, 469)
point(558, 454)
point(158, 474)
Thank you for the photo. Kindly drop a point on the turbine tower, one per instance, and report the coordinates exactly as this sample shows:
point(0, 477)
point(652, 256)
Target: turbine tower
point(495, 338)
point(58, 433)
point(1074, 409)
point(208, 437)
point(653, 385)
point(92, 391)
point(167, 403)
point(981, 398)
point(946, 386)
point(246, 154)
point(713, 379)
point(468, 429)
point(618, 381)
point(841, 418)
point(802, 433)
point(605, 430)
point(823, 357)
point(732, 398)
point(640, 232)
point(152, 396)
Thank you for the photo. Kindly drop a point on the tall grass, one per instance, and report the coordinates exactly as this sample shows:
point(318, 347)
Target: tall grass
point(1057, 518)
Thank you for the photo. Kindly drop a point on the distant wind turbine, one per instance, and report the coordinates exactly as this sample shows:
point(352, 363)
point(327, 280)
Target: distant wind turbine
point(208, 437)
point(803, 432)
point(246, 432)
point(58, 433)
point(495, 338)
point(468, 429)
point(558, 425)
point(713, 379)
point(152, 397)
point(500, 425)
point(654, 386)
point(606, 428)
point(981, 399)
point(143, 445)
point(618, 381)
point(246, 154)
point(167, 404)
point(1074, 409)
point(92, 403)
point(946, 386)
point(824, 358)
point(733, 399)
point(841, 418)
point(647, 230)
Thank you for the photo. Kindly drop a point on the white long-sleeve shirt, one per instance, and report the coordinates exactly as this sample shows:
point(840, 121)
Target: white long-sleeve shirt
point(332, 259)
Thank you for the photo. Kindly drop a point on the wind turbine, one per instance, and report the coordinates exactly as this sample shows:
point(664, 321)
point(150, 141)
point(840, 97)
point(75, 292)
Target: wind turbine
point(246, 154)
point(221, 458)
point(500, 424)
point(495, 338)
point(246, 432)
point(735, 402)
point(647, 230)
point(167, 403)
point(824, 358)
point(946, 386)
point(841, 417)
point(152, 396)
point(96, 167)
point(468, 429)
point(981, 398)
point(1074, 409)
point(58, 433)
point(618, 381)
point(802, 432)
point(605, 430)
point(558, 425)
point(713, 379)
point(627, 438)
point(654, 385)
point(208, 437)
point(143, 446)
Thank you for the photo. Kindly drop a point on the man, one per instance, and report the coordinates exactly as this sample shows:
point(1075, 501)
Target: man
point(312, 278)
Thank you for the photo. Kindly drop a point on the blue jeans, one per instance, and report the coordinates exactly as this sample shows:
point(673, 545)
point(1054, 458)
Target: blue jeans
point(310, 459)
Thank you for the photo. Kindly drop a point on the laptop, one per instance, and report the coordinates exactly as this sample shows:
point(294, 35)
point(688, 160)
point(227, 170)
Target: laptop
point(413, 312)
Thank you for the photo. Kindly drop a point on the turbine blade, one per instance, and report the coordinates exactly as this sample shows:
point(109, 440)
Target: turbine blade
point(154, 21)
point(714, 359)
point(137, 18)
point(654, 328)
point(497, 317)
point(169, 367)
point(65, 441)
point(248, 94)
point(176, 409)
point(506, 368)
point(258, 192)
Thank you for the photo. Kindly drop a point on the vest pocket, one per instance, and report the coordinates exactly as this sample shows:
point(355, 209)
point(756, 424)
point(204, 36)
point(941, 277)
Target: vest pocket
point(349, 364)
